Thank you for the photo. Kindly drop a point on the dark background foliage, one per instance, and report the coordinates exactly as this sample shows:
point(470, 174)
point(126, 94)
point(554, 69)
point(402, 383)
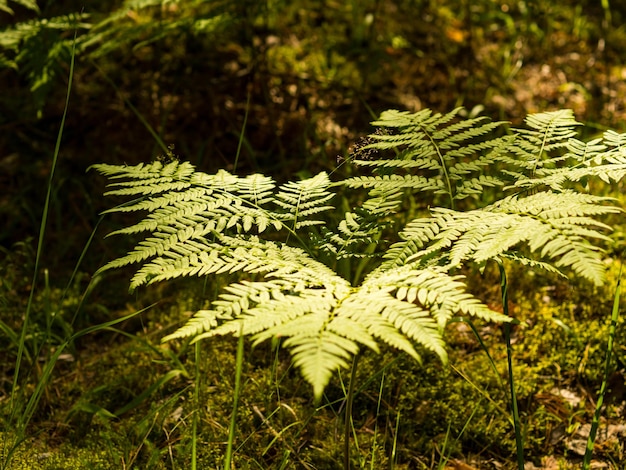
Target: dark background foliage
point(309, 76)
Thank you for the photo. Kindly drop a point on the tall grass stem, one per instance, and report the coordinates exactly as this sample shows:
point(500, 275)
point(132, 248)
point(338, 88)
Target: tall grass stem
point(42, 232)
point(196, 404)
point(348, 413)
point(242, 133)
point(607, 364)
point(233, 418)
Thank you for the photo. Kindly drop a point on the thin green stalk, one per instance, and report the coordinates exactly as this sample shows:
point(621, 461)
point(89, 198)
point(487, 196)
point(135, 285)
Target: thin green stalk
point(378, 404)
point(442, 455)
point(196, 404)
point(242, 133)
point(509, 356)
point(143, 120)
point(607, 364)
point(42, 231)
point(392, 464)
point(348, 414)
point(233, 418)
point(492, 363)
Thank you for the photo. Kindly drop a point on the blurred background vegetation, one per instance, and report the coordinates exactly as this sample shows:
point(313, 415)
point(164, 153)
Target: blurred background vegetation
point(309, 76)
point(292, 84)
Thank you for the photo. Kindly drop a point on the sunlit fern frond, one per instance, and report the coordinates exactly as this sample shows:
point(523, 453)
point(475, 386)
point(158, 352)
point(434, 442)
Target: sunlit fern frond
point(301, 200)
point(246, 227)
point(432, 288)
point(598, 158)
point(323, 321)
point(541, 144)
point(437, 153)
point(358, 230)
point(556, 227)
point(296, 302)
point(574, 165)
point(615, 158)
point(187, 212)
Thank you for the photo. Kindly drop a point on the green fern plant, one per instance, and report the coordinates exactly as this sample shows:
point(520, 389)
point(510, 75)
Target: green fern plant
point(400, 287)
point(28, 4)
point(140, 23)
point(547, 223)
point(39, 49)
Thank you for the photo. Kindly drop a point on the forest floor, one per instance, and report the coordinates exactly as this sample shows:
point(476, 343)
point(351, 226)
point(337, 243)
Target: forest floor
point(289, 97)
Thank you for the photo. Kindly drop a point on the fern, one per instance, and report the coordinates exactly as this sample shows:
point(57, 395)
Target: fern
point(283, 245)
point(199, 224)
point(556, 226)
point(434, 154)
point(38, 49)
point(188, 209)
point(602, 158)
point(324, 321)
point(133, 24)
point(362, 228)
point(28, 4)
point(546, 133)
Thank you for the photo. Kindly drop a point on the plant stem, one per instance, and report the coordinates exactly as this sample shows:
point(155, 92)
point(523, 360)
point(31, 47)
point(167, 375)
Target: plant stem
point(20, 426)
point(348, 414)
point(607, 363)
point(196, 399)
point(233, 417)
point(509, 356)
point(242, 133)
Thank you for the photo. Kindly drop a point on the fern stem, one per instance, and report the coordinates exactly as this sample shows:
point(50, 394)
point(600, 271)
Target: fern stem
point(607, 364)
point(443, 168)
point(509, 356)
point(348, 414)
point(233, 417)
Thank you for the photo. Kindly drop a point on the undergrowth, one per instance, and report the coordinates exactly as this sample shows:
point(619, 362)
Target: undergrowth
point(324, 287)
point(371, 255)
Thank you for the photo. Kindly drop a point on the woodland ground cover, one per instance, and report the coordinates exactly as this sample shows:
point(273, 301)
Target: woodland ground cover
point(286, 87)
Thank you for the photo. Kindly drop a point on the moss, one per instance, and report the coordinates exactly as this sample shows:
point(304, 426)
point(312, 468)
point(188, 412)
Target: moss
point(443, 411)
point(37, 455)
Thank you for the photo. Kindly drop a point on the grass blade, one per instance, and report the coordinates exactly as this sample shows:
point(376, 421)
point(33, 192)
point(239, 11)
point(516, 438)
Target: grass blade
point(607, 364)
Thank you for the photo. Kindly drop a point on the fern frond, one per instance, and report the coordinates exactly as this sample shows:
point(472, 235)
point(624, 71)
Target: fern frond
point(532, 263)
point(556, 226)
point(199, 224)
point(187, 210)
point(434, 289)
point(28, 4)
point(39, 49)
point(133, 24)
point(436, 153)
point(360, 229)
point(600, 158)
point(387, 182)
point(546, 136)
point(323, 321)
point(302, 199)
point(296, 303)
point(353, 232)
